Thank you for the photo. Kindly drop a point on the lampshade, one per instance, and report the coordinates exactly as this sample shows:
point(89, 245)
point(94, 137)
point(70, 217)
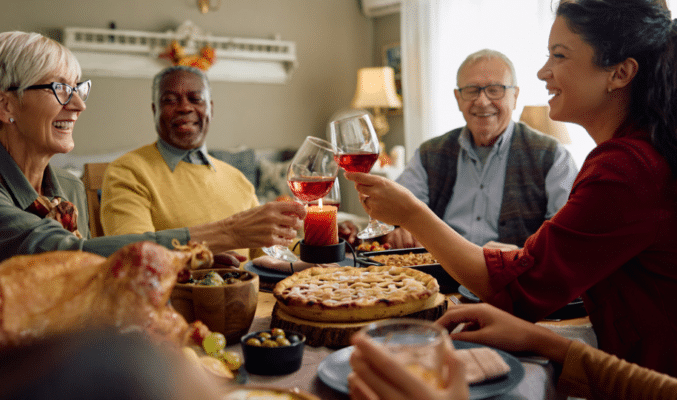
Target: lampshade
point(376, 89)
point(538, 118)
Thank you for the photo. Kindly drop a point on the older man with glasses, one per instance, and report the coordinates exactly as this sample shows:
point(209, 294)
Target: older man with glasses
point(492, 180)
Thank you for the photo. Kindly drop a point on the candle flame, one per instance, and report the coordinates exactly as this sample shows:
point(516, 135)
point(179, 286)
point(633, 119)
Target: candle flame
point(319, 203)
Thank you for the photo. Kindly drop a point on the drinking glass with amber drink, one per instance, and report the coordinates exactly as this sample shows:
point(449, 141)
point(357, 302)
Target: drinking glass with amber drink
point(418, 344)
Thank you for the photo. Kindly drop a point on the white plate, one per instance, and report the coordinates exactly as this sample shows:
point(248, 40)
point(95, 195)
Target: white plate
point(334, 370)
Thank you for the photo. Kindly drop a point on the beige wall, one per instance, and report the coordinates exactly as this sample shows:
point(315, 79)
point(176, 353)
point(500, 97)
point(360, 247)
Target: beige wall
point(387, 32)
point(333, 40)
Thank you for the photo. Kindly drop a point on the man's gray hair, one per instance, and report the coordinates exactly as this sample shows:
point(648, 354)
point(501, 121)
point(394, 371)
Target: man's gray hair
point(486, 54)
point(169, 70)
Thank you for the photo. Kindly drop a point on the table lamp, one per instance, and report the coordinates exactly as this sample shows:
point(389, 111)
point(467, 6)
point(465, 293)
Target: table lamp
point(538, 118)
point(376, 89)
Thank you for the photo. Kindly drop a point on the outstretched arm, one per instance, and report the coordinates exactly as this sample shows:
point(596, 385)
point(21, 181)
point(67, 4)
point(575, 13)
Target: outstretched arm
point(392, 203)
point(273, 223)
point(586, 372)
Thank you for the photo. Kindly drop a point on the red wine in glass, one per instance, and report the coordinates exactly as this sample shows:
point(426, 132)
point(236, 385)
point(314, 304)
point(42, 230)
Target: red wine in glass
point(310, 176)
point(357, 148)
point(310, 188)
point(357, 162)
point(333, 198)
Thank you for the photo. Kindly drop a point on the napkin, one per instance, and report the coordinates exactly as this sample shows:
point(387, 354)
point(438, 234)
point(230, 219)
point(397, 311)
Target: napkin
point(284, 266)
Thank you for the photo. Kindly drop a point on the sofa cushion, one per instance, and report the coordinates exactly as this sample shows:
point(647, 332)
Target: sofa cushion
point(272, 180)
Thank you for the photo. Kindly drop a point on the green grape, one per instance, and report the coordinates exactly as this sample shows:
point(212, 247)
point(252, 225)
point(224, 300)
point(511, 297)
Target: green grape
point(214, 342)
point(232, 360)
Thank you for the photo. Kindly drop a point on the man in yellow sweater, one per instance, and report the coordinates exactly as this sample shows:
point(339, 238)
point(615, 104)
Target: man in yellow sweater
point(173, 182)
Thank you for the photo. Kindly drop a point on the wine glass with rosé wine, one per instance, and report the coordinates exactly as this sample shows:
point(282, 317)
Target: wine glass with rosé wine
point(310, 177)
point(332, 198)
point(357, 149)
point(313, 170)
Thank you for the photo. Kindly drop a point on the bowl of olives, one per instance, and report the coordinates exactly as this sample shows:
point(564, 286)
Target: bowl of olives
point(273, 352)
point(223, 299)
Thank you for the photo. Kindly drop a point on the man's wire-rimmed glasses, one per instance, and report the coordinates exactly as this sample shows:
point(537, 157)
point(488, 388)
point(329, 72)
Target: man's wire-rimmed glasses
point(62, 91)
point(493, 92)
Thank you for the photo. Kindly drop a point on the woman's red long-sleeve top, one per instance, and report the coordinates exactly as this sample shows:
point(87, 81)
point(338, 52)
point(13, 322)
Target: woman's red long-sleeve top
point(615, 243)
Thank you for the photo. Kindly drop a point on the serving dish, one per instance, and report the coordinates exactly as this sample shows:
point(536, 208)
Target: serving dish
point(334, 369)
point(446, 282)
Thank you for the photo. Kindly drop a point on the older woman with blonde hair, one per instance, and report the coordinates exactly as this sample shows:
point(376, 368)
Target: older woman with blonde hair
point(41, 98)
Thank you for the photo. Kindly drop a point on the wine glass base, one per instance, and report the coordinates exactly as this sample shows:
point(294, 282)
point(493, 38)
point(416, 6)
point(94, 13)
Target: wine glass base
point(281, 253)
point(374, 230)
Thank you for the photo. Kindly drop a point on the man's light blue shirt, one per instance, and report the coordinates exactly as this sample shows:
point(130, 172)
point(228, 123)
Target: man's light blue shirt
point(475, 207)
point(172, 155)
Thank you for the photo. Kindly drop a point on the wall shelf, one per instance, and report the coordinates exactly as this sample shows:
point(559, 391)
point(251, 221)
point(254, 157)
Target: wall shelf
point(134, 54)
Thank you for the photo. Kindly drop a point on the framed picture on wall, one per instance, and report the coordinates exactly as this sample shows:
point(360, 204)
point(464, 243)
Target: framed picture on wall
point(392, 57)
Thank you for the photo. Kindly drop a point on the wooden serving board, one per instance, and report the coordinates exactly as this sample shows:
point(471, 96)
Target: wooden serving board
point(337, 334)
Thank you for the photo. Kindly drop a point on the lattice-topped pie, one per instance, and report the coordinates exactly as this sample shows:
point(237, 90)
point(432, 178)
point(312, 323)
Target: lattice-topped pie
point(348, 294)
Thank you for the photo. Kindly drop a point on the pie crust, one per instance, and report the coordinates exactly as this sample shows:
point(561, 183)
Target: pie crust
point(349, 294)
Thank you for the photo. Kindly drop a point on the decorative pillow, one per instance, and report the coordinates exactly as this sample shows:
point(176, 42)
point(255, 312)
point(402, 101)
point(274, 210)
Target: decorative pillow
point(272, 180)
point(243, 160)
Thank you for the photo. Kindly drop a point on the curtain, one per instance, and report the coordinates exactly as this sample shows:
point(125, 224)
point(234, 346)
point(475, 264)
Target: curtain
point(437, 35)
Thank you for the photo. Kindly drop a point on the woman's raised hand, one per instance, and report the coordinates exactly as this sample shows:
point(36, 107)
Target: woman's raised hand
point(385, 200)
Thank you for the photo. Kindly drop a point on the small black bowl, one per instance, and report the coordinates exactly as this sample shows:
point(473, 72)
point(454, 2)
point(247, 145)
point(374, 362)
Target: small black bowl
point(273, 360)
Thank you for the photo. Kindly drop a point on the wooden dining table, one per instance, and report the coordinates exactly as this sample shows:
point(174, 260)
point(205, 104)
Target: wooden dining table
point(537, 384)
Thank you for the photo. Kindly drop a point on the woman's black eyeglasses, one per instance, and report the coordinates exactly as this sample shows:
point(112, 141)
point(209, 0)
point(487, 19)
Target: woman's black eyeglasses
point(62, 91)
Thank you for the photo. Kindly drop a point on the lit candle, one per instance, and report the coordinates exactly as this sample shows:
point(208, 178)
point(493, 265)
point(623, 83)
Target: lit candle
point(320, 226)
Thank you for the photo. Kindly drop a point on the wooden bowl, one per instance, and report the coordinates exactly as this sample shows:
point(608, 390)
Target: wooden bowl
point(228, 309)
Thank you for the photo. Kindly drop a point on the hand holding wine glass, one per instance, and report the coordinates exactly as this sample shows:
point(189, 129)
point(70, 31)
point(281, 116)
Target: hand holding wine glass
point(357, 149)
point(310, 176)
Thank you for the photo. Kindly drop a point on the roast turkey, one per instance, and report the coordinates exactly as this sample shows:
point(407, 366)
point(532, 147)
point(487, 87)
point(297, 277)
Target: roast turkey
point(59, 291)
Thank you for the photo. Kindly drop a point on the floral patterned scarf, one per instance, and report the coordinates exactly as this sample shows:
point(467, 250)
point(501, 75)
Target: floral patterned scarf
point(60, 210)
